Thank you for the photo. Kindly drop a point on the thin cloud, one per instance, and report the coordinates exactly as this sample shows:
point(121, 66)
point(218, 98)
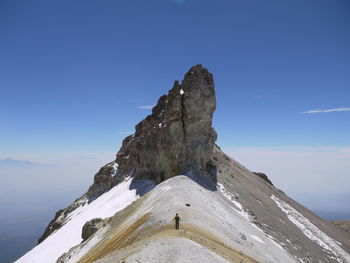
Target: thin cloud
point(322, 111)
point(145, 107)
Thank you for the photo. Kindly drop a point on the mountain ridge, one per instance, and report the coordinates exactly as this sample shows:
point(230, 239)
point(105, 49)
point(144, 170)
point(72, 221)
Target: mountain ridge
point(171, 164)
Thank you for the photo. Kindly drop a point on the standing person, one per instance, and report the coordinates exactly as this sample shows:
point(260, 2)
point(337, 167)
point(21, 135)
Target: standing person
point(177, 221)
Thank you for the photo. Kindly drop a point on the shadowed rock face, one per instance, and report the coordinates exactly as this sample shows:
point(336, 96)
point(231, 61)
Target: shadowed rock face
point(264, 177)
point(90, 227)
point(177, 137)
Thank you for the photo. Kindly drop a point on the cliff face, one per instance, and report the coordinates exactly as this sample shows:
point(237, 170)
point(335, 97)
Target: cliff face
point(177, 137)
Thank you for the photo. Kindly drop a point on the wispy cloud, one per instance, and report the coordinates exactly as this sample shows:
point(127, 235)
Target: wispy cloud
point(145, 107)
point(329, 110)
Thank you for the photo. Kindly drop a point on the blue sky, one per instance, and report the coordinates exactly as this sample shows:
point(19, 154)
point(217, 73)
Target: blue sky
point(74, 72)
point(76, 76)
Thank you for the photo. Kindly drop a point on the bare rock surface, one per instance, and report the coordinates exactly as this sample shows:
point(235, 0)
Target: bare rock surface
point(104, 180)
point(264, 177)
point(298, 231)
point(90, 227)
point(177, 136)
point(60, 218)
point(343, 224)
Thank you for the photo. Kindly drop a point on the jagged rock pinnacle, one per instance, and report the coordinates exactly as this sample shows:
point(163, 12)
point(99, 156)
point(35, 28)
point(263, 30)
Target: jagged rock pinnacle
point(177, 137)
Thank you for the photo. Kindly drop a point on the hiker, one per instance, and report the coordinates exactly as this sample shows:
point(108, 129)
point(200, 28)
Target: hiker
point(177, 221)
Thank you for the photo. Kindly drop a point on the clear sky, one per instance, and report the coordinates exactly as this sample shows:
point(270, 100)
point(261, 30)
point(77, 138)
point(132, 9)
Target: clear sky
point(77, 76)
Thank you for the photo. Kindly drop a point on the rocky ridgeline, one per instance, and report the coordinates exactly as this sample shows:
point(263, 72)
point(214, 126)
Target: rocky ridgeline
point(264, 177)
point(177, 137)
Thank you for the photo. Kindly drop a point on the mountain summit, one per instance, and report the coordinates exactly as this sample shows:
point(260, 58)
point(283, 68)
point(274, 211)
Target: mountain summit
point(177, 137)
point(171, 165)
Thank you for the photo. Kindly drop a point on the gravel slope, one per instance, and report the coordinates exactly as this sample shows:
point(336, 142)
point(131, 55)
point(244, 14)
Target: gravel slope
point(343, 224)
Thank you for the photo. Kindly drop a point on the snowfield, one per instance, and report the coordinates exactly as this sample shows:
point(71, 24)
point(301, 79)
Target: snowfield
point(261, 238)
point(312, 232)
point(69, 234)
point(217, 225)
point(212, 229)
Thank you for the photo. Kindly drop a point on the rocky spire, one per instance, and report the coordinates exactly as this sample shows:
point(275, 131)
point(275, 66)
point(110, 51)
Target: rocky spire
point(177, 137)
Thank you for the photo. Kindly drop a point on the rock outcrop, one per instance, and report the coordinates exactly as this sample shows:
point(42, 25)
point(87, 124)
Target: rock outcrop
point(104, 180)
point(264, 177)
point(90, 227)
point(60, 218)
point(52, 226)
point(177, 137)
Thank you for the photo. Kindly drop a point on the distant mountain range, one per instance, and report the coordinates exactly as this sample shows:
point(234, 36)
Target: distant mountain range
point(17, 163)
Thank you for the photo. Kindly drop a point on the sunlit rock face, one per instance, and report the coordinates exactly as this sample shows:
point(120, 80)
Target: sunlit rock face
point(177, 137)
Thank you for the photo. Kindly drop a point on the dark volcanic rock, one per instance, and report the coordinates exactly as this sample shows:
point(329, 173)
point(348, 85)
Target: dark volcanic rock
point(60, 218)
point(90, 227)
point(177, 137)
point(53, 226)
point(264, 177)
point(104, 180)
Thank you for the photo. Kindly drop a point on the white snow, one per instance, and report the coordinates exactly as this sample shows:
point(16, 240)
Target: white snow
point(115, 167)
point(232, 198)
point(257, 239)
point(69, 234)
point(181, 92)
point(77, 252)
point(312, 232)
point(248, 227)
point(209, 210)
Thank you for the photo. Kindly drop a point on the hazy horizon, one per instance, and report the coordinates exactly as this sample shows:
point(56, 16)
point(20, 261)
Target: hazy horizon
point(30, 199)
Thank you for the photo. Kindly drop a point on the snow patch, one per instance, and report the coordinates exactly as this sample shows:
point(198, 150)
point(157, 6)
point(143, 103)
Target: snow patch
point(312, 232)
point(209, 210)
point(257, 239)
point(69, 234)
point(233, 199)
point(77, 253)
point(181, 92)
